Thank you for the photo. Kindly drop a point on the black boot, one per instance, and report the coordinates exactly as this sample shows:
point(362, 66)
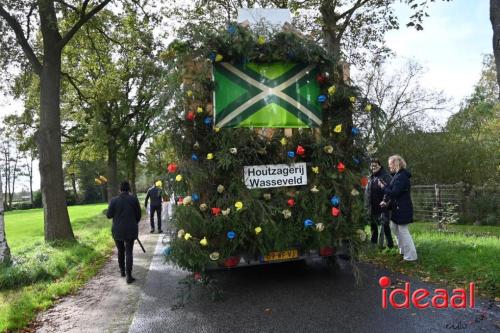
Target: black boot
point(122, 272)
point(130, 278)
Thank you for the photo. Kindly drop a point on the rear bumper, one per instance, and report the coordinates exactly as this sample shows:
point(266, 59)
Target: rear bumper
point(246, 261)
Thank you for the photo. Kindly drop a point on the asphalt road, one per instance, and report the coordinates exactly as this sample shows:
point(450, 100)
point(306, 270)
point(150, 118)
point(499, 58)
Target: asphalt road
point(296, 297)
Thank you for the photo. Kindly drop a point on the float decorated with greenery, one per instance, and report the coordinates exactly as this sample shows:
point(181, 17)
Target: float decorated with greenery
point(251, 101)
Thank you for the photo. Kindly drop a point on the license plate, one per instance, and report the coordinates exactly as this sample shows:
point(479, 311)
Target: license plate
point(282, 255)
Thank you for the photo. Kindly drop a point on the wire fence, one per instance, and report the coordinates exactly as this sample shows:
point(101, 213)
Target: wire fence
point(474, 204)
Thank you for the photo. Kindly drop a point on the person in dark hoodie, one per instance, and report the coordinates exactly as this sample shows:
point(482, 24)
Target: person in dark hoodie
point(399, 201)
point(155, 193)
point(125, 211)
point(374, 195)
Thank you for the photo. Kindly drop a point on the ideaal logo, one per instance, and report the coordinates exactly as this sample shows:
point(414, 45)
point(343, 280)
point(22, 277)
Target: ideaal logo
point(440, 299)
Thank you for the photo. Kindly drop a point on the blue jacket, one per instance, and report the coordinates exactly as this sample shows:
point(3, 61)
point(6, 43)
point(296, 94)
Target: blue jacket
point(398, 192)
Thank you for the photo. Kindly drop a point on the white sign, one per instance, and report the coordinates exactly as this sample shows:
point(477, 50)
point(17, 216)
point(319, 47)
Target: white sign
point(275, 175)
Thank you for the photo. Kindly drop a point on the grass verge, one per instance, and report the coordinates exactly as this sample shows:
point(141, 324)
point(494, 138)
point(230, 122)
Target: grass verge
point(42, 272)
point(455, 257)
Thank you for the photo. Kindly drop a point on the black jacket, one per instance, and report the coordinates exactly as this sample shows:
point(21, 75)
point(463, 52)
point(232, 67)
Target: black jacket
point(398, 192)
point(154, 193)
point(126, 214)
point(374, 194)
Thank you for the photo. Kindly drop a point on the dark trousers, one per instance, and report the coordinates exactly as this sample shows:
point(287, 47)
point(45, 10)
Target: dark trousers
point(385, 230)
point(125, 256)
point(154, 209)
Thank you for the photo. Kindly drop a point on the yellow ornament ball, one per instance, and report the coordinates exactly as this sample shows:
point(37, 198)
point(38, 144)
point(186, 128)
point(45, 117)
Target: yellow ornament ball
point(178, 178)
point(210, 156)
point(283, 141)
point(219, 57)
point(189, 93)
point(352, 99)
point(338, 128)
point(199, 109)
point(204, 241)
point(315, 169)
point(238, 205)
point(258, 230)
point(368, 107)
point(331, 90)
point(187, 236)
point(261, 40)
point(216, 129)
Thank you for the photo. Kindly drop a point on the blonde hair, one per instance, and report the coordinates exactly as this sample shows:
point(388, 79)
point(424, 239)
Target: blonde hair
point(398, 161)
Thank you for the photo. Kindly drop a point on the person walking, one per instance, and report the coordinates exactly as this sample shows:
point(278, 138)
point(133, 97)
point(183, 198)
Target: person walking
point(374, 195)
point(398, 194)
point(125, 211)
point(155, 193)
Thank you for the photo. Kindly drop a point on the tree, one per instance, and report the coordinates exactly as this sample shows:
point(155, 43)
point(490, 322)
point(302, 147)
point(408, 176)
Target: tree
point(44, 57)
point(123, 96)
point(4, 247)
point(399, 100)
point(495, 24)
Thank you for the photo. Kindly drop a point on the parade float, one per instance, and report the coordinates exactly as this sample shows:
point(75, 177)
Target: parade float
point(268, 162)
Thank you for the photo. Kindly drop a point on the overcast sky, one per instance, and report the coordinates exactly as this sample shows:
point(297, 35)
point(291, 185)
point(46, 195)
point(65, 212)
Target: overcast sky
point(451, 47)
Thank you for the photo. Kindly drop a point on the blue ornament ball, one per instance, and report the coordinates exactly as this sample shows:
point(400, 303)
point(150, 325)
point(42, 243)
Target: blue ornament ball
point(195, 197)
point(321, 98)
point(356, 161)
point(167, 251)
point(231, 234)
point(208, 121)
point(291, 154)
point(231, 29)
point(308, 223)
point(335, 201)
point(212, 56)
point(355, 131)
point(194, 157)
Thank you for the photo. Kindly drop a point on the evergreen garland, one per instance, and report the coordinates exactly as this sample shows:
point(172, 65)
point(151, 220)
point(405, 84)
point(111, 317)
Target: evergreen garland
point(209, 159)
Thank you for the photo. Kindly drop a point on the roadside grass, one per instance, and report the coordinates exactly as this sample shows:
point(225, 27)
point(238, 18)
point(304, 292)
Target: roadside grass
point(453, 258)
point(40, 273)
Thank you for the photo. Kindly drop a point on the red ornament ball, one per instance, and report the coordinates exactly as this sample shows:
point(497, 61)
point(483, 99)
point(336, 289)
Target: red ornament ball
point(364, 182)
point(341, 167)
point(335, 212)
point(216, 211)
point(190, 116)
point(172, 167)
point(300, 151)
point(291, 202)
point(321, 78)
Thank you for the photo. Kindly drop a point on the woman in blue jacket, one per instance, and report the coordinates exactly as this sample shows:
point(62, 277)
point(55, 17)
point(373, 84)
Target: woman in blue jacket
point(398, 193)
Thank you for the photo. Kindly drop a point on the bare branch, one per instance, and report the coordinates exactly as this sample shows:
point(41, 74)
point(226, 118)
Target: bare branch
point(65, 4)
point(21, 39)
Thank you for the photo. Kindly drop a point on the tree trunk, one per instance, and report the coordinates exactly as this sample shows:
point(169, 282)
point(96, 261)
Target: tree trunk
point(4, 247)
point(73, 183)
point(31, 180)
point(133, 175)
point(495, 23)
point(13, 189)
point(112, 169)
point(56, 218)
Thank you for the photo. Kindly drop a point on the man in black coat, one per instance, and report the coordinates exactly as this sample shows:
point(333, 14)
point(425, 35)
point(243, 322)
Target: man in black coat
point(155, 194)
point(374, 195)
point(126, 214)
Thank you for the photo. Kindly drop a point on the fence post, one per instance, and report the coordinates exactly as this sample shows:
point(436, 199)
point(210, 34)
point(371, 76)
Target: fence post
point(437, 201)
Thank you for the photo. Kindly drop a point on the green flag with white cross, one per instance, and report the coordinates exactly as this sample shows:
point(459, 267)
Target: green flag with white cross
point(279, 95)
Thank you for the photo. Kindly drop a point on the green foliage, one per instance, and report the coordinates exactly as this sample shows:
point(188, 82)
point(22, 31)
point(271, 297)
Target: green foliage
point(40, 273)
point(261, 207)
point(455, 257)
